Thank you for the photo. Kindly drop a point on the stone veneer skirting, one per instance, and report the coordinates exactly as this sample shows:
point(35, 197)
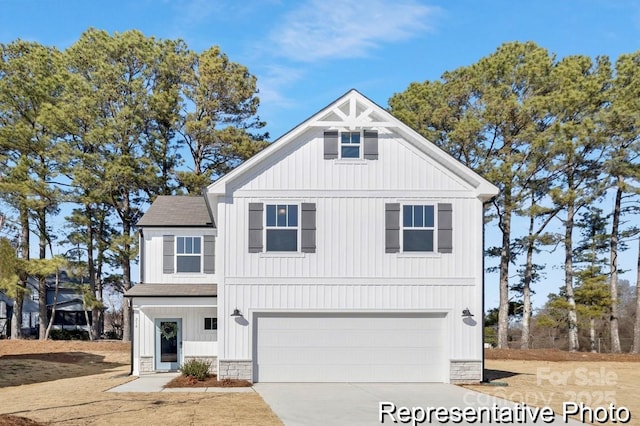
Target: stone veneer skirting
point(235, 369)
point(146, 364)
point(465, 372)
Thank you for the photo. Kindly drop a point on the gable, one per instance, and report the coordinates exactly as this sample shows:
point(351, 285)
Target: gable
point(301, 166)
point(406, 161)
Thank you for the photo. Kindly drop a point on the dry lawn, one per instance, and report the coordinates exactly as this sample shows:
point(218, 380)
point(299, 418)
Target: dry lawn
point(65, 383)
point(550, 378)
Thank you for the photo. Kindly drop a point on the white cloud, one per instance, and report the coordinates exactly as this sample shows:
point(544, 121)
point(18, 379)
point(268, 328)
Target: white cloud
point(345, 28)
point(272, 82)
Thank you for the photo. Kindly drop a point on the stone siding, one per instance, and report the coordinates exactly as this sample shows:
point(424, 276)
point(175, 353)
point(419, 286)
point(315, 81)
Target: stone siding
point(466, 372)
point(235, 369)
point(146, 364)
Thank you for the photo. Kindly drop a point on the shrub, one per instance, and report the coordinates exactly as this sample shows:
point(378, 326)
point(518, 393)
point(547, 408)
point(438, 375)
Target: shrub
point(69, 335)
point(197, 368)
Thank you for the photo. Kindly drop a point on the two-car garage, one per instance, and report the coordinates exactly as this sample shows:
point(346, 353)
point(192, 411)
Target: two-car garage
point(350, 347)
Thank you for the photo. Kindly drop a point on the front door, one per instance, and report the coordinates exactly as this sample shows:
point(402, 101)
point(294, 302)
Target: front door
point(168, 343)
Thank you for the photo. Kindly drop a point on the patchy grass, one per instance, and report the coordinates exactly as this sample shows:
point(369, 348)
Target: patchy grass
point(56, 396)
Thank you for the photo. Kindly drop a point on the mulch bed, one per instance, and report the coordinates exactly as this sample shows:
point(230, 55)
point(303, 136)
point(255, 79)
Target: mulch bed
point(210, 382)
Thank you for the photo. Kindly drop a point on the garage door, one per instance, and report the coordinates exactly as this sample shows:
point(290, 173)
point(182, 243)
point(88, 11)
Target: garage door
point(365, 347)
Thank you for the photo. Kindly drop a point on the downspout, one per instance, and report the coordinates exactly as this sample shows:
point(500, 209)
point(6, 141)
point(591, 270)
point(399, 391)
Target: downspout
point(131, 334)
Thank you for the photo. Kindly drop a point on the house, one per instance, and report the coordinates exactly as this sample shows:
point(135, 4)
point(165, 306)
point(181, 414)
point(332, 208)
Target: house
point(69, 315)
point(30, 313)
point(69, 307)
point(351, 249)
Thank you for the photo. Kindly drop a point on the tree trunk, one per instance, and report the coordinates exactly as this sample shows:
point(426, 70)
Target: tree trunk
point(636, 329)
point(613, 269)
point(53, 306)
point(126, 273)
point(16, 323)
point(574, 343)
point(592, 334)
point(526, 294)
point(505, 257)
point(94, 330)
point(42, 280)
point(16, 317)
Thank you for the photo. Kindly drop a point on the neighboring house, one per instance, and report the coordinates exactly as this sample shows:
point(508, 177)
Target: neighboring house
point(70, 313)
point(6, 310)
point(69, 309)
point(30, 313)
point(351, 249)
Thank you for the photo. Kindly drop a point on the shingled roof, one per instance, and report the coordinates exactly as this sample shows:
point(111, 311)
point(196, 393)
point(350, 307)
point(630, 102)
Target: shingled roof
point(177, 211)
point(172, 290)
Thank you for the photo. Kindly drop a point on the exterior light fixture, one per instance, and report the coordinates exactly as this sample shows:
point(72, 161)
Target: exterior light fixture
point(466, 313)
point(236, 313)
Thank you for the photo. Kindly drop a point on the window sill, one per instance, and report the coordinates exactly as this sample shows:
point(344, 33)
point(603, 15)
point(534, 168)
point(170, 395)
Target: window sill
point(418, 254)
point(351, 161)
point(281, 254)
point(190, 274)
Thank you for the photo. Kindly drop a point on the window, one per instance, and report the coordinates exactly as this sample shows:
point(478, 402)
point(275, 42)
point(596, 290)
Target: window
point(211, 323)
point(418, 228)
point(350, 145)
point(282, 227)
point(188, 254)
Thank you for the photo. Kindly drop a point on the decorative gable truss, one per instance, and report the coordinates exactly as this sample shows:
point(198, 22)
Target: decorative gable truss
point(347, 118)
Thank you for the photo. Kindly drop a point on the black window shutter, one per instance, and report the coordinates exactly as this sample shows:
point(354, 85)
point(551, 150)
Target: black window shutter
point(308, 227)
point(168, 253)
point(392, 227)
point(330, 144)
point(445, 228)
point(370, 144)
point(255, 227)
point(209, 254)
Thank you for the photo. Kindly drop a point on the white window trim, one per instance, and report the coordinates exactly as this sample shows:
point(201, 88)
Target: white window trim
point(210, 330)
point(360, 146)
point(200, 255)
point(298, 229)
point(434, 252)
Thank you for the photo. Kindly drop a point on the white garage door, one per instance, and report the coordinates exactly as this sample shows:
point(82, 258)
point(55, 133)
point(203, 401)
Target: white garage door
point(371, 347)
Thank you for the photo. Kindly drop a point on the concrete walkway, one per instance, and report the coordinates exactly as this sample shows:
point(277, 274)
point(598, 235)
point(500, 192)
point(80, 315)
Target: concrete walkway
point(156, 382)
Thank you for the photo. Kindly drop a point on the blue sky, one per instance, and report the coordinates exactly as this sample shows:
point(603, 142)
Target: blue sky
point(306, 53)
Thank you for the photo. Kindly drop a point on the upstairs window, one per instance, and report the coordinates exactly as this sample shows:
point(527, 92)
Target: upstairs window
point(188, 254)
point(350, 145)
point(282, 227)
point(418, 225)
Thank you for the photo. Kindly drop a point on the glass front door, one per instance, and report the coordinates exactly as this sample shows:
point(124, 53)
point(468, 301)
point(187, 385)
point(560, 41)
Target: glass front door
point(168, 343)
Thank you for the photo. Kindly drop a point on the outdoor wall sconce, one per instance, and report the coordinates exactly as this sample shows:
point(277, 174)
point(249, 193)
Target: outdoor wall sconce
point(466, 313)
point(236, 313)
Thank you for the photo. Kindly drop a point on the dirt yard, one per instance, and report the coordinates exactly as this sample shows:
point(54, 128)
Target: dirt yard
point(64, 383)
point(550, 378)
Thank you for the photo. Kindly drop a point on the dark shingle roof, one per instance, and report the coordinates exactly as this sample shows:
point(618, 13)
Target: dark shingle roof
point(173, 290)
point(177, 211)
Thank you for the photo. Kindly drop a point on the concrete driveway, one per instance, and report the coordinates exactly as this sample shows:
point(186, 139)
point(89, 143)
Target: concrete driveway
point(324, 404)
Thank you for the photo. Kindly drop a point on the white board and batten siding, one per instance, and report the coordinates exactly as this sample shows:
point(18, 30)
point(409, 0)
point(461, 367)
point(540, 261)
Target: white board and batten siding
point(196, 341)
point(153, 272)
point(350, 269)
